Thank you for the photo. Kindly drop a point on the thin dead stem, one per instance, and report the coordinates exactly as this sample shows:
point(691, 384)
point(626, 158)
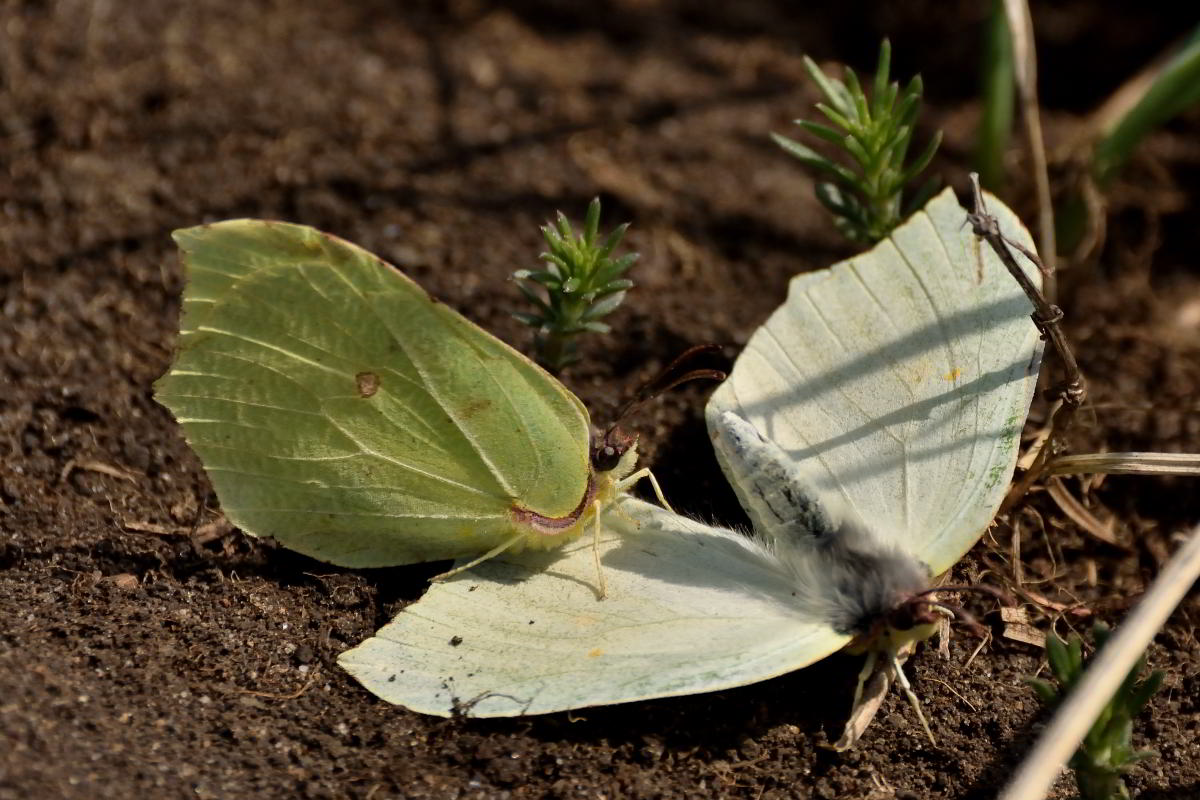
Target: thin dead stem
point(1072, 391)
point(1126, 464)
point(1020, 26)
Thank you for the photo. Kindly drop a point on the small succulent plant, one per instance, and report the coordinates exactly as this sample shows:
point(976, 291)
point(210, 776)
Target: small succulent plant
point(875, 133)
point(582, 283)
point(1106, 753)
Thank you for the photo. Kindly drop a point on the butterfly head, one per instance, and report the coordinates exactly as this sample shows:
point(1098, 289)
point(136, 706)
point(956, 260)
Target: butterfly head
point(913, 619)
point(611, 448)
point(916, 616)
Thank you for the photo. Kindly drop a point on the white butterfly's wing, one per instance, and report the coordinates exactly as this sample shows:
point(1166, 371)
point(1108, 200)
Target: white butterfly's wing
point(690, 608)
point(899, 381)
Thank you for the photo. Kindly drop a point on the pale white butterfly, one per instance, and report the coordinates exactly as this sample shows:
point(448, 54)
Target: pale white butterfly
point(869, 429)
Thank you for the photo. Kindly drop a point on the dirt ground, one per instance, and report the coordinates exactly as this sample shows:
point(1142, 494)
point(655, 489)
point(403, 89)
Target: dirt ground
point(147, 650)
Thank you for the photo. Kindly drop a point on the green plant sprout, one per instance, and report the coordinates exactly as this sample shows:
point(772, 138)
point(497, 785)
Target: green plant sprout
point(865, 199)
point(1164, 90)
point(1106, 753)
point(582, 281)
point(999, 100)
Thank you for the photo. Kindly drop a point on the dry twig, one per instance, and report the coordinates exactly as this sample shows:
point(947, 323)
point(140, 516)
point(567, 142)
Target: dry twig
point(1020, 26)
point(1072, 391)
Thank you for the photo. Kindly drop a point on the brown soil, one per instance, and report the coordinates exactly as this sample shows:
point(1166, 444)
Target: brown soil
point(148, 651)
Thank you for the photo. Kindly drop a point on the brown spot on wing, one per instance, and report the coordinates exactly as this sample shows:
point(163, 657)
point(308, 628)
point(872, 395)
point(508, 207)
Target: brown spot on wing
point(474, 407)
point(368, 383)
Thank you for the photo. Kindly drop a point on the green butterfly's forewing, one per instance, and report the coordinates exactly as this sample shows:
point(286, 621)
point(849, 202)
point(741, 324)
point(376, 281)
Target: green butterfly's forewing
point(341, 410)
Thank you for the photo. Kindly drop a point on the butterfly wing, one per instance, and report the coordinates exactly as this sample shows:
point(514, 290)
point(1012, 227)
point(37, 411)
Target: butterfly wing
point(690, 608)
point(899, 381)
point(341, 410)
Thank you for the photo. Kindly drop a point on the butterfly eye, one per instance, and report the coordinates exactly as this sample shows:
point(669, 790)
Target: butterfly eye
point(606, 456)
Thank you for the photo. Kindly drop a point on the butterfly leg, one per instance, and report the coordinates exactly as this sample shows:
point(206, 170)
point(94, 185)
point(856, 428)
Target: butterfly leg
point(912, 697)
point(495, 551)
point(864, 675)
point(596, 549)
point(645, 472)
point(625, 514)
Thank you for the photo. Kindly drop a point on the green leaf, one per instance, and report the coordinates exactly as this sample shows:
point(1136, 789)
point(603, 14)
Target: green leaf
point(1141, 694)
point(564, 227)
point(882, 68)
point(553, 240)
point(1044, 690)
point(862, 114)
point(532, 296)
point(1075, 655)
point(1175, 87)
point(529, 319)
point(821, 131)
point(618, 267)
point(1100, 634)
point(614, 239)
point(837, 117)
point(618, 285)
point(592, 221)
point(557, 264)
point(814, 159)
point(1059, 657)
point(922, 161)
point(1140, 755)
point(580, 279)
point(911, 99)
point(999, 100)
point(550, 278)
point(1106, 751)
point(826, 86)
point(604, 306)
point(857, 151)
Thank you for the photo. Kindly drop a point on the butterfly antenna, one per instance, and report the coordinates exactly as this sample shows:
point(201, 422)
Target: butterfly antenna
point(902, 679)
point(1003, 597)
point(956, 611)
point(669, 378)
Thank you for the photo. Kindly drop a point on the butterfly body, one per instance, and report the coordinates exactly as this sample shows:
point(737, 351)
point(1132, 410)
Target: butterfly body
point(844, 575)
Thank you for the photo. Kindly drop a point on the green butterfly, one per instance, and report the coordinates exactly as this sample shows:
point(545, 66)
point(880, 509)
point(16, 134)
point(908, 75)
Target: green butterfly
point(341, 410)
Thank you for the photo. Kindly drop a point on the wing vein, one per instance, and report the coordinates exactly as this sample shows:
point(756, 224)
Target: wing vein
point(427, 386)
point(281, 350)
